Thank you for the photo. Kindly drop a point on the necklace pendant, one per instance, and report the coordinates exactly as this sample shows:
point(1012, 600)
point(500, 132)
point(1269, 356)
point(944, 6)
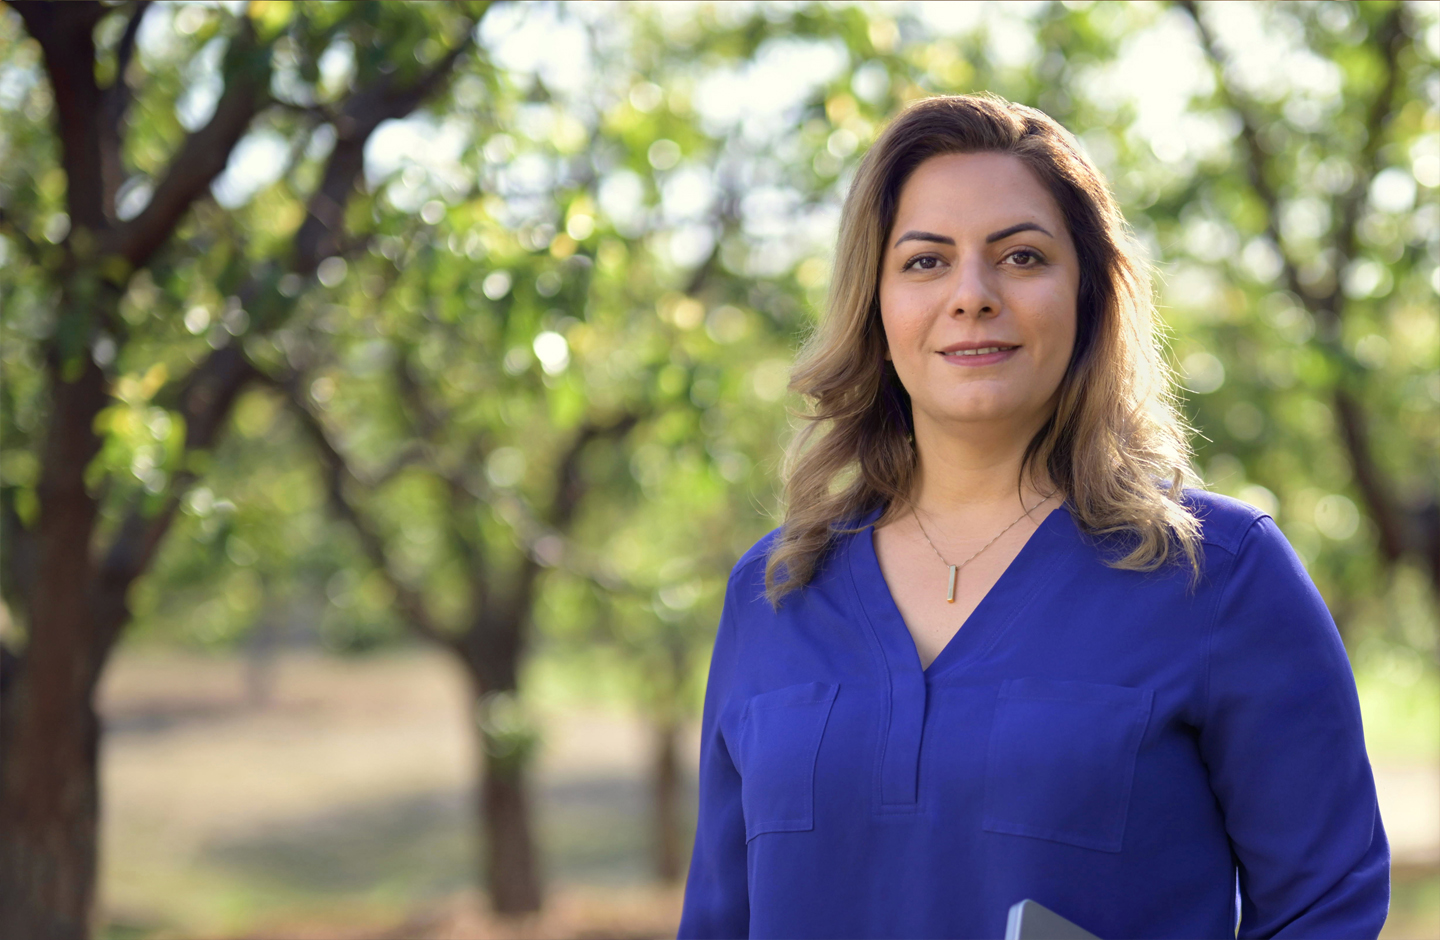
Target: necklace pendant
point(950, 595)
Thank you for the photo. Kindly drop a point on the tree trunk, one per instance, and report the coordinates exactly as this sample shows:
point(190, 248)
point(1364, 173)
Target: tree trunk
point(49, 807)
point(668, 831)
point(260, 657)
point(49, 735)
point(491, 651)
point(510, 871)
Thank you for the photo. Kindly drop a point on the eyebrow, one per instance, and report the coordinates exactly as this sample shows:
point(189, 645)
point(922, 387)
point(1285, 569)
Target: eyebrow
point(913, 236)
point(1022, 227)
point(992, 237)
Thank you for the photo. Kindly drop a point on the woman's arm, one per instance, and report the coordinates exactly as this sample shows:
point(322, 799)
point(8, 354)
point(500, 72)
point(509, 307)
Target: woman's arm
point(1286, 754)
point(717, 902)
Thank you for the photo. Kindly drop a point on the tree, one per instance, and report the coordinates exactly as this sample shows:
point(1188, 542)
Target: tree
point(463, 386)
point(80, 532)
point(1353, 279)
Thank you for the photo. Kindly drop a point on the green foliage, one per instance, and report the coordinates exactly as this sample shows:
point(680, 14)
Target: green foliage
point(536, 254)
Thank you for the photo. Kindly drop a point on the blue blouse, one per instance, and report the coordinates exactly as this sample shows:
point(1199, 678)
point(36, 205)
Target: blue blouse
point(1120, 747)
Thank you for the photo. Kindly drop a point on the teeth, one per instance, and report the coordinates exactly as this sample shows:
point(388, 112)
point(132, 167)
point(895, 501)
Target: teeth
point(978, 352)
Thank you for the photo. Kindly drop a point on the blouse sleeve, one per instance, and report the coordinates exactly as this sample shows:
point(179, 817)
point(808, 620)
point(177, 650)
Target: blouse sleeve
point(1286, 754)
point(717, 901)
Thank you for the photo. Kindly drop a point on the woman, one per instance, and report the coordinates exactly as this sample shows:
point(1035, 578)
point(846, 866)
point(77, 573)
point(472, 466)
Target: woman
point(996, 652)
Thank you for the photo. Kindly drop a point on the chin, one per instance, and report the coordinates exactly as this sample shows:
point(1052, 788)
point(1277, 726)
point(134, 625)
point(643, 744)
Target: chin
point(977, 413)
point(986, 409)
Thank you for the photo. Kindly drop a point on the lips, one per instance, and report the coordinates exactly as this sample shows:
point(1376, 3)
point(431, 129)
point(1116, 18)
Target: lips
point(979, 351)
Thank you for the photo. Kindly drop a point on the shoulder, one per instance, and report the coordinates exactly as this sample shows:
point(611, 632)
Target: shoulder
point(1264, 571)
point(842, 531)
point(1225, 522)
point(756, 555)
point(747, 578)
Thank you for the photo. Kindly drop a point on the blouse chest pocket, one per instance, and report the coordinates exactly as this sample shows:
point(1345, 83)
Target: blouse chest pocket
point(780, 735)
point(1061, 760)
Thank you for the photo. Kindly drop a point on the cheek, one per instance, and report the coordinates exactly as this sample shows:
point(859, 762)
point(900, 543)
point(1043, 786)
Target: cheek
point(1063, 328)
point(1054, 322)
point(904, 320)
point(904, 337)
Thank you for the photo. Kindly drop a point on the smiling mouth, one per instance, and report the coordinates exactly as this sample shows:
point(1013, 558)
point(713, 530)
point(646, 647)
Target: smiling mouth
point(983, 350)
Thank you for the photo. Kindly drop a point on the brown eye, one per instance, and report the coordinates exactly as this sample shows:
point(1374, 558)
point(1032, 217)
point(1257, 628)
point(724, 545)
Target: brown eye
point(924, 263)
point(1025, 258)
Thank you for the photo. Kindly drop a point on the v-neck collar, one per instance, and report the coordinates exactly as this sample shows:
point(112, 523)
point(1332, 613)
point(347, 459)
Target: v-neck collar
point(992, 617)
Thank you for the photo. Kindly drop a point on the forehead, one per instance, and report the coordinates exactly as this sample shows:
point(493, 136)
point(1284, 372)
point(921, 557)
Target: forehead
point(957, 192)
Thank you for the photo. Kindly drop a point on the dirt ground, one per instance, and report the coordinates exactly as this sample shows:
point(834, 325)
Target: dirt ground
point(342, 806)
point(338, 807)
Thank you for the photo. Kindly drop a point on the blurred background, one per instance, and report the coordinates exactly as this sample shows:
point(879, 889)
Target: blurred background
point(388, 389)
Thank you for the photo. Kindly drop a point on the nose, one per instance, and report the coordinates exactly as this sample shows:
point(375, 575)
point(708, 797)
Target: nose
point(974, 290)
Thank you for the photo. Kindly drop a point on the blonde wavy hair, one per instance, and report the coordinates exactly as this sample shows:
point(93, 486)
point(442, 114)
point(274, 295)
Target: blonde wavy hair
point(1115, 445)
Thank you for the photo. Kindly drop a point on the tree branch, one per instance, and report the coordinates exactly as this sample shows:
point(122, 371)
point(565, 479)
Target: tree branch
point(426, 422)
point(130, 554)
point(1258, 159)
point(320, 234)
point(471, 549)
point(570, 487)
point(1392, 36)
point(126, 49)
point(409, 455)
point(205, 400)
point(1398, 533)
point(119, 95)
point(203, 155)
point(548, 542)
point(339, 478)
point(209, 391)
point(490, 646)
point(1374, 489)
point(207, 395)
point(65, 32)
point(425, 418)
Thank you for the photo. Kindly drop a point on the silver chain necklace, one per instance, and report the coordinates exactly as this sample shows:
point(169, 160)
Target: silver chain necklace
point(955, 569)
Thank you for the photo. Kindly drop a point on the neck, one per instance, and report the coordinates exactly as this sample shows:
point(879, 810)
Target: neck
point(975, 472)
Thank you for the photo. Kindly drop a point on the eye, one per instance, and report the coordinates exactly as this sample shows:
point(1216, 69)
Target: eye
point(1025, 258)
point(922, 262)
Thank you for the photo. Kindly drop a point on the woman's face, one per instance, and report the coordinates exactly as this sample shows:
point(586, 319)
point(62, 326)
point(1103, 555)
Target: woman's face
point(978, 293)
